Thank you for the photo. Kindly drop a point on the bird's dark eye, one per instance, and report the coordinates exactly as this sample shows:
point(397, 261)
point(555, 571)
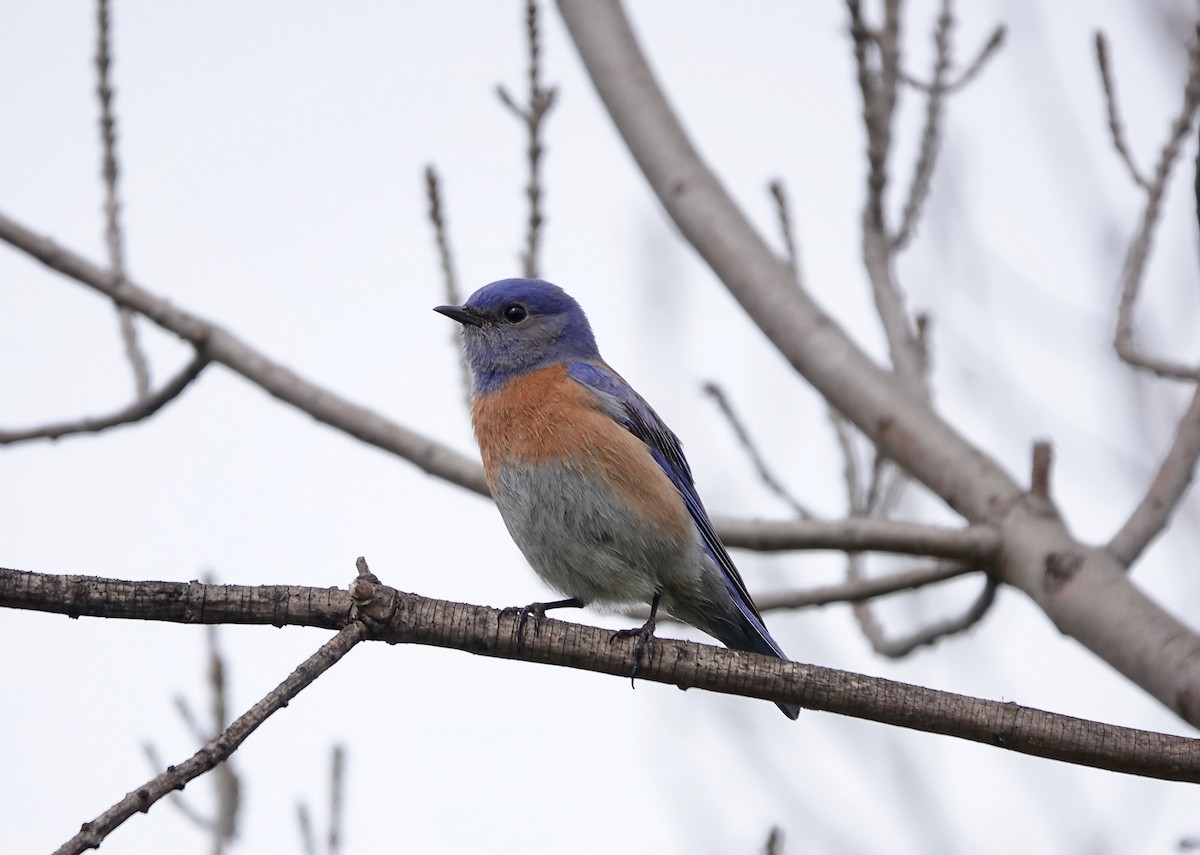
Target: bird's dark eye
point(515, 313)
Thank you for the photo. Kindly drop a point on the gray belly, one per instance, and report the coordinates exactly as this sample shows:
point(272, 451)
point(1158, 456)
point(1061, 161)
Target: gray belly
point(585, 544)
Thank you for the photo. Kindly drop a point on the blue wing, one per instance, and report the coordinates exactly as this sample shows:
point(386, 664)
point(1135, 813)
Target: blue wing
point(629, 409)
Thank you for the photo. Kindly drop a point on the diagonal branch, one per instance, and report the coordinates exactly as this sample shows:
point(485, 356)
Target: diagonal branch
point(1116, 128)
point(143, 408)
point(220, 747)
point(223, 347)
point(1170, 485)
point(760, 465)
point(395, 617)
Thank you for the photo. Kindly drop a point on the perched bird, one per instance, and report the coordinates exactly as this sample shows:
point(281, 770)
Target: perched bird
point(593, 487)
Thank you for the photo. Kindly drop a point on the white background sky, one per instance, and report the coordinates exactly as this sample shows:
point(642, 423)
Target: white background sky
point(271, 157)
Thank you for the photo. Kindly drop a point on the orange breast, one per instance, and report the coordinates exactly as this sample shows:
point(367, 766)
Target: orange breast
point(546, 417)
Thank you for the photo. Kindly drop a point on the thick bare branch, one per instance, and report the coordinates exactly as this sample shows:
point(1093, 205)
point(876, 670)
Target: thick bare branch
point(399, 618)
point(1138, 255)
point(220, 747)
point(533, 114)
point(112, 204)
point(1083, 590)
point(760, 465)
point(135, 412)
point(1170, 485)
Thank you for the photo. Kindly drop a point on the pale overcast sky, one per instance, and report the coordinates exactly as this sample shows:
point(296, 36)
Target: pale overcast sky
point(272, 158)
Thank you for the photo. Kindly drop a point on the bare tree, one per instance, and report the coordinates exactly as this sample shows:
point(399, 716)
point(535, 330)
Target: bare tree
point(893, 440)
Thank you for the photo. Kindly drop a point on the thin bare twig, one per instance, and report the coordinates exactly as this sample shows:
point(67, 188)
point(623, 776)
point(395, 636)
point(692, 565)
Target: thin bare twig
point(112, 204)
point(898, 648)
point(337, 788)
point(1116, 128)
point(135, 412)
point(760, 465)
point(1166, 491)
point(786, 232)
point(844, 432)
point(877, 57)
point(857, 591)
point(308, 837)
point(220, 747)
point(333, 839)
point(878, 85)
point(863, 589)
point(1039, 477)
point(441, 238)
point(918, 188)
point(1138, 255)
point(989, 49)
point(774, 844)
point(223, 825)
point(541, 99)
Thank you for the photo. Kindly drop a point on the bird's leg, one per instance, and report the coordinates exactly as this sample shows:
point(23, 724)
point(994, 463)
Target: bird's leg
point(537, 611)
point(644, 634)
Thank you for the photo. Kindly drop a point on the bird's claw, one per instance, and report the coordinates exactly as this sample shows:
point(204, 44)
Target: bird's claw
point(645, 645)
point(537, 611)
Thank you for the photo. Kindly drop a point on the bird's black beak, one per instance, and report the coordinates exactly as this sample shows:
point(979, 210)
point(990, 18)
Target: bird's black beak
point(462, 314)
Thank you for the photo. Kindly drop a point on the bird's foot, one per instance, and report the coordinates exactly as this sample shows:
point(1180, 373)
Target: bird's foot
point(644, 647)
point(536, 611)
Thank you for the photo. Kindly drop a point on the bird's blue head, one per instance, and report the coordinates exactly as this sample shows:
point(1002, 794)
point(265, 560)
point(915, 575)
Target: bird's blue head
point(515, 326)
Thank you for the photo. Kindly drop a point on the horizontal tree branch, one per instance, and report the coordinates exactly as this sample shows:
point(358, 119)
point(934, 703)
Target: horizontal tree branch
point(140, 409)
point(976, 543)
point(846, 592)
point(1083, 590)
point(401, 618)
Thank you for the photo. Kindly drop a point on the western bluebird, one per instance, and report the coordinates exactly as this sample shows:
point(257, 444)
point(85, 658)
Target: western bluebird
point(592, 486)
